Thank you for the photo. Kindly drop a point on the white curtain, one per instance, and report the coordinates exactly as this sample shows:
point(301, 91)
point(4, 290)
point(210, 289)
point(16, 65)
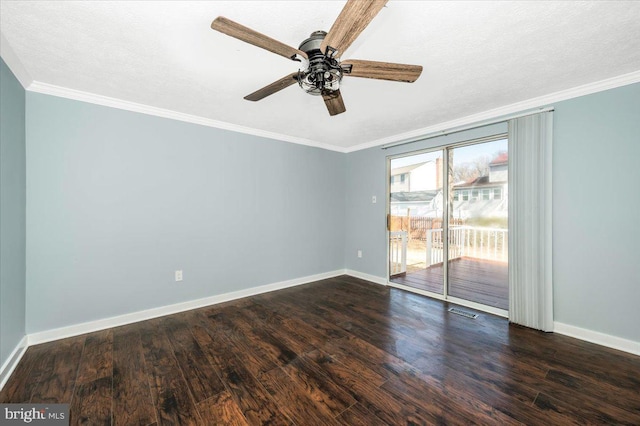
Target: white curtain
point(530, 278)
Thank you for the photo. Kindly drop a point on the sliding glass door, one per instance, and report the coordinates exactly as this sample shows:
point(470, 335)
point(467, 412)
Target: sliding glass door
point(478, 232)
point(448, 215)
point(416, 208)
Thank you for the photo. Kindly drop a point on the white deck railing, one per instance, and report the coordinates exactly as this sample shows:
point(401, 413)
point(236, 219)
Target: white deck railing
point(481, 243)
point(398, 252)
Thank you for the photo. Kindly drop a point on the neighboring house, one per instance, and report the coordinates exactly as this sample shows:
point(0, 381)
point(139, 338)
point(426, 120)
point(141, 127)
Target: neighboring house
point(499, 168)
point(486, 195)
point(425, 176)
point(417, 203)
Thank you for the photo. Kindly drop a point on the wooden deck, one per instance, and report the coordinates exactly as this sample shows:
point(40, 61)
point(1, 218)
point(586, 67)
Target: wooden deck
point(476, 280)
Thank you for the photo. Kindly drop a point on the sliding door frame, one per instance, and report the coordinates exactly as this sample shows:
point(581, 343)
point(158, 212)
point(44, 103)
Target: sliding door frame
point(445, 149)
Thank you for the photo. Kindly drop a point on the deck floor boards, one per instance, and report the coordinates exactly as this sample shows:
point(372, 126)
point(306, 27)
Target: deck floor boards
point(338, 351)
point(476, 280)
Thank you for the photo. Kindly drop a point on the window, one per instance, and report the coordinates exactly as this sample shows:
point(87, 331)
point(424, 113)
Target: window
point(402, 177)
point(485, 194)
point(474, 194)
point(497, 194)
point(465, 195)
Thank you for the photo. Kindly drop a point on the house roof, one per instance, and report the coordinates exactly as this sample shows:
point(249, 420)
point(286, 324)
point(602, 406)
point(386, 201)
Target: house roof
point(406, 169)
point(482, 181)
point(502, 158)
point(415, 196)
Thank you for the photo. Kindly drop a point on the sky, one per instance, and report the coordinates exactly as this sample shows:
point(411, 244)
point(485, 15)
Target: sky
point(464, 154)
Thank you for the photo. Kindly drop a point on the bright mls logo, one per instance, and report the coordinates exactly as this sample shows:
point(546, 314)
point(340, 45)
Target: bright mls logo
point(38, 414)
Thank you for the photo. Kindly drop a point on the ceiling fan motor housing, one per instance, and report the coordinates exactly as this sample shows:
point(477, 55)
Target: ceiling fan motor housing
point(323, 73)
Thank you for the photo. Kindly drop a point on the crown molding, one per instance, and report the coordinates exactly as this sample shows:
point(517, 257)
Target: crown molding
point(78, 95)
point(539, 102)
point(13, 62)
point(444, 128)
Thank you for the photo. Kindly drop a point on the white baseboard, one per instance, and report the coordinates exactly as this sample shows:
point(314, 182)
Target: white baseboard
point(597, 338)
point(91, 326)
point(13, 360)
point(363, 276)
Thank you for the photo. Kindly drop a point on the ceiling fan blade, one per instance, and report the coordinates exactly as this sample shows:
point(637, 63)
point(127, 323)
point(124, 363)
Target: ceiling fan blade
point(382, 70)
point(274, 87)
point(334, 102)
point(233, 29)
point(353, 19)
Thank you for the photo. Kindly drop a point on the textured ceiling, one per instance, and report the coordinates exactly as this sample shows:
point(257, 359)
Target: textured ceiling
point(477, 56)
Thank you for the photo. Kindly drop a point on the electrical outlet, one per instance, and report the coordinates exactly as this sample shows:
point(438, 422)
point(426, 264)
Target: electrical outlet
point(359, 253)
point(373, 199)
point(179, 275)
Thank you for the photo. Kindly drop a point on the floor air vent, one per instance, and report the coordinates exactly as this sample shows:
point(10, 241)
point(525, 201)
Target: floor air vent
point(463, 313)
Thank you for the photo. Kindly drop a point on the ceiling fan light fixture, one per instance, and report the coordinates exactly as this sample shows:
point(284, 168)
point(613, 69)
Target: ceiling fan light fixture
point(322, 73)
point(320, 81)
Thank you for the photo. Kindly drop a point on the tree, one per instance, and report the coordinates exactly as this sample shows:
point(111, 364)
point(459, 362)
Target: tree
point(466, 172)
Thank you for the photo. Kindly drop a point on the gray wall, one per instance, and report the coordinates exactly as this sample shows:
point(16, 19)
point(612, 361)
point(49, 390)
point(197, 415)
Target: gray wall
point(596, 202)
point(116, 201)
point(12, 212)
point(596, 212)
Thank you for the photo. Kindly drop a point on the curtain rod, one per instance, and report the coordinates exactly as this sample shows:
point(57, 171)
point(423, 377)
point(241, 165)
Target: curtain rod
point(459, 129)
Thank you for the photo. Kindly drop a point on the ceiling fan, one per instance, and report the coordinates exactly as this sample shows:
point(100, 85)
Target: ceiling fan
point(322, 69)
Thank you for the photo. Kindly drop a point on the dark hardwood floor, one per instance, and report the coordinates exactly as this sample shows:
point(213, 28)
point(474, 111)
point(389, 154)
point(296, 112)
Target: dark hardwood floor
point(338, 351)
point(478, 280)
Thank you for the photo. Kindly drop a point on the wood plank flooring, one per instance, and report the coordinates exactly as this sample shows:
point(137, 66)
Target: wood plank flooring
point(478, 280)
point(336, 352)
